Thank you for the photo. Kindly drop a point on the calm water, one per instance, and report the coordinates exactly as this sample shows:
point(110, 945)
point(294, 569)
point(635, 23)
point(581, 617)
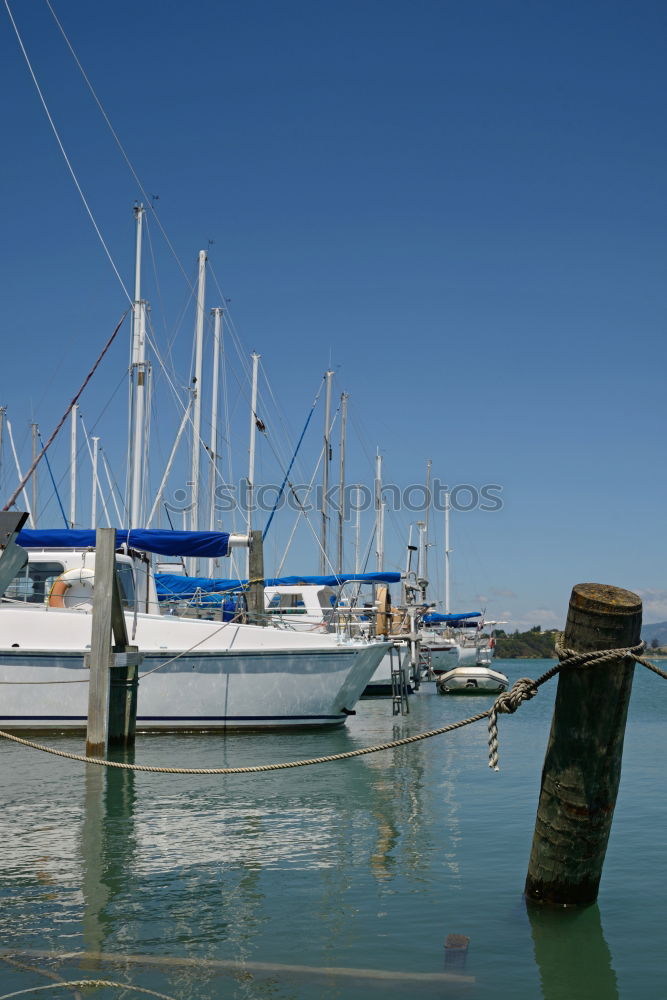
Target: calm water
point(365, 864)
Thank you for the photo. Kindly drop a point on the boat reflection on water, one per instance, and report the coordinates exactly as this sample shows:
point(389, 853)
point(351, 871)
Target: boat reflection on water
point(194, 885)
point(186, 858)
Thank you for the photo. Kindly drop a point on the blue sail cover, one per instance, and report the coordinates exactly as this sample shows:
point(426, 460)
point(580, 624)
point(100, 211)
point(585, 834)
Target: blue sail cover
point(211, 544)
point(172, 586)
point(459, 618)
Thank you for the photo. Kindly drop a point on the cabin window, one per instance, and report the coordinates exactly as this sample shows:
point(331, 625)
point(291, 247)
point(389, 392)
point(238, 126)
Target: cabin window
point(327, 599)
point(287, 604)
point(33, 584)
point(126, 584)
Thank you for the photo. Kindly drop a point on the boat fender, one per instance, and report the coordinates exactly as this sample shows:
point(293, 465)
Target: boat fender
point(62, 583)
point(348, 711)
point(383, 611)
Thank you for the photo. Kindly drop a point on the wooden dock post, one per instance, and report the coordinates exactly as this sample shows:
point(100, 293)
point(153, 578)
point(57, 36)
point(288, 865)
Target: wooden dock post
point(582, 766)
point(255, 597)
point(124, 686)
point(112, 694)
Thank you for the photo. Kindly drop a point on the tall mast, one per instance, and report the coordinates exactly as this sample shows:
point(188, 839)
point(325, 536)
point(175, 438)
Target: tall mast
point(18, 469)
point(3, 411)
point(325, 471)
point(196, 400)
point(167, 469)
point(379, 514)
point(427, 517)
point(251, 448)
point(93, 503)
point(447, 553)
point(344, 396)
point(421, 559)
point(35, 451)
point(72, 465)
point(357, 533)
point(138, 387)
point(421, 525)
point(408, 566)
point(217, 325)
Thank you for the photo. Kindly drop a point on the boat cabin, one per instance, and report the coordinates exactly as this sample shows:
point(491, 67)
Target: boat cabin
point(65, 578)
point(304, 606)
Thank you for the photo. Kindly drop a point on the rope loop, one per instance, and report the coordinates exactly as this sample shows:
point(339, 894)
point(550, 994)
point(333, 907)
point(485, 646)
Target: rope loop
point(570, 658)
point(524, 689)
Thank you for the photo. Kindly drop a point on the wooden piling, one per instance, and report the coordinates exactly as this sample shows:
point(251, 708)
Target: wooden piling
point(112, 694)
point(124, 679)
point(582, 767)
point(100, 643)
point(255, 596)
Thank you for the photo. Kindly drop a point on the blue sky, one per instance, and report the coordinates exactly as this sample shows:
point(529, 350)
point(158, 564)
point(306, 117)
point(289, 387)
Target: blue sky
point(460, 206)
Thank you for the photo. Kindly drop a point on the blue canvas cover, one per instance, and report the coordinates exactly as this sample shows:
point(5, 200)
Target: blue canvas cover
point(173, 586)
point(459, 618)
point(211, 544)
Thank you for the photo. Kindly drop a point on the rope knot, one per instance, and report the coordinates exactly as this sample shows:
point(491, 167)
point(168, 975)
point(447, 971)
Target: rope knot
point(522, 690)
point(506, 704)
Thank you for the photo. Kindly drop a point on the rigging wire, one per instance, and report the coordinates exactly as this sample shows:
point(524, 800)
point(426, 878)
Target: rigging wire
point(96, 484)
point(8, 425)
point(64, 153)
point(80, 450)
point(12, 500)
point(111, 482)
point(53, 483)
point(150, 203)
point(304, 512)
point(289, 467)
point(146, 195)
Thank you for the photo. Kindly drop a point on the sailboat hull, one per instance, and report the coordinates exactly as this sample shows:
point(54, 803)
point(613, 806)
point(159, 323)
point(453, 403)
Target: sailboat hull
point(308, 682)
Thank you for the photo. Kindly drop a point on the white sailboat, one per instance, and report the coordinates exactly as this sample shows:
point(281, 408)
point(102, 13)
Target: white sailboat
point(473, 673)
point(196, 675)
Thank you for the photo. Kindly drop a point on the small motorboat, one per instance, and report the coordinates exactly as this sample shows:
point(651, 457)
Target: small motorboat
point(472, 679)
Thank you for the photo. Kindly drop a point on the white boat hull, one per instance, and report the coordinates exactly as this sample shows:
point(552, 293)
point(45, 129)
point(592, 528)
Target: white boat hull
point(479, 656)
point(380, 684)
point(443, 657)
point(239, 676)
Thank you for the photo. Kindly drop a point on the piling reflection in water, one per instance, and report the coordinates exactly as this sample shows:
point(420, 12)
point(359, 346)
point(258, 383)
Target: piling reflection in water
point(571, 953)
point(108, 846)
point(254, 886)
point(198, 849)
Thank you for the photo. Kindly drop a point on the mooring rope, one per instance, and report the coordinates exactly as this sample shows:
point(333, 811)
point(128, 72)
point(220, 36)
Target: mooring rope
point(525, 688)
point(250, 769)
point(10, 960)
point(84, 983)
point(507, 703)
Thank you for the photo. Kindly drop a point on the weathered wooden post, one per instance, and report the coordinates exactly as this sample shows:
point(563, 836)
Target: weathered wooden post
point(112, 691)
point(582, 767)
point(124, 687)
point(255, 598)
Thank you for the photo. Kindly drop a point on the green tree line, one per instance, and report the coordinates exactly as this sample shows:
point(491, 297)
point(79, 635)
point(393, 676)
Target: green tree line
point(533, 644)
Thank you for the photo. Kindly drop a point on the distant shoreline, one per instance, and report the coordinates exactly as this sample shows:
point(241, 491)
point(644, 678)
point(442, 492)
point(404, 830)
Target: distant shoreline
point(648, 654)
